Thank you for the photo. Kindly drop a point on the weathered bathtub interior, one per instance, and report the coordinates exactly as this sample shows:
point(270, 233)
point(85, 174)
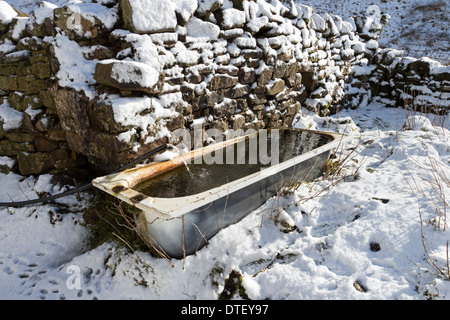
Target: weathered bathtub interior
point(185, 201)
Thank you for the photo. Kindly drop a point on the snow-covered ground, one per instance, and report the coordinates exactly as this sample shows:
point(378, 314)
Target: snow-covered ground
point(376, 230)
point(356, 238)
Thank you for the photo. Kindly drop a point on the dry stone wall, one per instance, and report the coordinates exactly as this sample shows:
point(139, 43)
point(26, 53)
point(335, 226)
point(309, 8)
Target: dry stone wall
point(419, 84)
point(31, 138)
point(101, 83)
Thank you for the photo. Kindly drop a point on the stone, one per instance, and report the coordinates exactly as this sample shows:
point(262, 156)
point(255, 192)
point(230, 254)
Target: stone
point(71, 108)
point(18, 27)
point(225, 109)
point(309, 80)
point(22, 84)
point(248, 46)
point(43, 145)
point(257, 99)
point(274, 87)
point(294, 80)
point(231, 33)
point(199, 29)
point(249, 117)
point(176, 122)
point(7, 167)
point(237, 122)
point(46, 99)
point(85, 20)
point(34, 163)
point(238, 91)
point(246, 75)
point(265, 76)
point(220, 125)
point(222, 81)
point(99, 53)
point(56, 134)
point(253, 63)
point(206, 7)
point(41, 70)
point(213, 98)
point(421, 67)
point(102, 150)
point(319, 23)
point(441, 77)
point(101, 115)
point(238, 4)
point(32, 101)
point(347, 54)
point(148, 19)
point(8, 83)
point(285, 53)
point(44, 123)
point(35, 86)
point(10, 148)
point(199, 102)
point(374, 246)
point(41, 23)
point(17, 56)
point(15, 99)
point(331, 30)
point(280, 69)
point(194, 78)
point(130, 76)
point(20, 137)
point(61, 159)
point(4, 83)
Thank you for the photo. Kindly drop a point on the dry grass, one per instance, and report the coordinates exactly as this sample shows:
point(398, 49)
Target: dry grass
point(431, 188)
point(340, 168)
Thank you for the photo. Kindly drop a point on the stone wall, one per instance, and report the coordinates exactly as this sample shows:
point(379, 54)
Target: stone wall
point(100, 84)
point(30, 131)
point(395, 80)
point(420, 84)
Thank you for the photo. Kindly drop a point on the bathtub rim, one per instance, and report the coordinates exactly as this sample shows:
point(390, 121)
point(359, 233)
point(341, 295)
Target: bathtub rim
point(169, 208)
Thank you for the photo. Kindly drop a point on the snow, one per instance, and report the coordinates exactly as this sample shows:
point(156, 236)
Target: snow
point(7, 47)
point(7, 13)
point(153, 16)
point(7, 161)
point(43, 11)
point(92, 11)
point(420, 27)
point(133, 72)
point(19, 28)
point(206, 5)
point(199, 30)
point(233, 18)
point(357, 235)
point(11, 118)
point(324, 254)
point(75, 71)
point(134, 112)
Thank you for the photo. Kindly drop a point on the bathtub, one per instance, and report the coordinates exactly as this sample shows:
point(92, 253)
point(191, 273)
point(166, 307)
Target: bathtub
point(183, 202)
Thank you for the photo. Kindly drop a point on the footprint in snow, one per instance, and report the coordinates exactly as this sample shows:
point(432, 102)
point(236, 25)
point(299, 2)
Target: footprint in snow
point(8, 270)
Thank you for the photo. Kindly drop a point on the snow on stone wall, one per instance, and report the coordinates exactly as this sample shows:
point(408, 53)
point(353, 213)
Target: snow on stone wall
point(104, 83)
